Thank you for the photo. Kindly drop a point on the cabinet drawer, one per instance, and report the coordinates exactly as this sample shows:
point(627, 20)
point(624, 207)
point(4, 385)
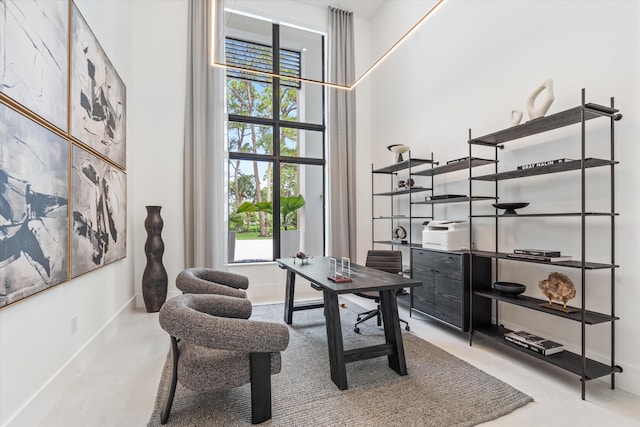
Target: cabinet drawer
point(448, 300)
point(447, 288)
point(443, 263)
point(424, 296)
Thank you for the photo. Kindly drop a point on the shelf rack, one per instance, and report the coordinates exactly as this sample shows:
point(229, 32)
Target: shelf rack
point(578, 364)
point(392, 170)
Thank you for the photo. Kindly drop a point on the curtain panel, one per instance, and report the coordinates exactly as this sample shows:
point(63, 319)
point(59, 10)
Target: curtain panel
point(205, 225)
point(342, 136)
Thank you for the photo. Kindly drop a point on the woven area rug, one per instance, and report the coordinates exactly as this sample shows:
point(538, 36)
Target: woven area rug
point(439, 390)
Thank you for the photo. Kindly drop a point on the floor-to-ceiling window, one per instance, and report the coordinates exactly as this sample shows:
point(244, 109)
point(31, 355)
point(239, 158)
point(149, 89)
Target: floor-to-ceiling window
point(275, 137)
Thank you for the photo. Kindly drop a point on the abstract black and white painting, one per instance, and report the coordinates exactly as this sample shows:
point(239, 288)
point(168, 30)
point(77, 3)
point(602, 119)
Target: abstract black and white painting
point(33, 56)
point(99, 215)
point(34, 197)
point(98, 95)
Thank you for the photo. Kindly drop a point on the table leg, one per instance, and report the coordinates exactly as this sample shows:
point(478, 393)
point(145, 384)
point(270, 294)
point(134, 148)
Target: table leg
point(288, 297)
point(392, 332)
point(337, 362)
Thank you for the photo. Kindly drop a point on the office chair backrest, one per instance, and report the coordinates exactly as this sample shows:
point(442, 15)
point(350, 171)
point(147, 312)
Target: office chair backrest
point(389, 261)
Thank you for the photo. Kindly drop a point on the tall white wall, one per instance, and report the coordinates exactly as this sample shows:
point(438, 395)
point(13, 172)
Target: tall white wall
point(467, 68)
point(146, 42)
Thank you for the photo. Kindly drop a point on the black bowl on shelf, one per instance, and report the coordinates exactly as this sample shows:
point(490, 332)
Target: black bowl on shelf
point(509, 289)
point(510, 208)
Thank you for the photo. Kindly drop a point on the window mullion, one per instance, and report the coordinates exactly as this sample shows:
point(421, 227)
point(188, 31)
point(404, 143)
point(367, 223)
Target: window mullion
point(276, 139)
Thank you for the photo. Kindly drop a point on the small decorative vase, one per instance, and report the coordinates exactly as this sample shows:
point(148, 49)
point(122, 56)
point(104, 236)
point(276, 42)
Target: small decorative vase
point(154, 278)
point(543, 107)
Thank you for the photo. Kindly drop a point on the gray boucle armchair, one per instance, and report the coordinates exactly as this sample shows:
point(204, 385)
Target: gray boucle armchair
point(215, 346)
point(210, 281)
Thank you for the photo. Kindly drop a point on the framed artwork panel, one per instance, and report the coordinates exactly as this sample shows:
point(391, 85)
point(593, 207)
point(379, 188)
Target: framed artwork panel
point(33, 56)
point(34, 225)
point(99, 213)
point(98, 95)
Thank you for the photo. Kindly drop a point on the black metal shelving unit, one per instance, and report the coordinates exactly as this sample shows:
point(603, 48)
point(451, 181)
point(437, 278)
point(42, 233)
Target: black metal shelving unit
point(577, 363)
point(393, 170)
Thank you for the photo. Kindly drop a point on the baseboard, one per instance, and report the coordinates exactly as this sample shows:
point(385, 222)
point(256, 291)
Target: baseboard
point(42, 402)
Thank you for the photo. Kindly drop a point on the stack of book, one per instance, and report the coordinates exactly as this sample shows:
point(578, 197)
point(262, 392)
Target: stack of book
point(542, 164)
point(534, 343)
point(539, 255)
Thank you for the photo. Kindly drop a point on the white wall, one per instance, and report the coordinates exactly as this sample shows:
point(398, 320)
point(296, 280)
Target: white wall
point(145, 41)
point(467, 68)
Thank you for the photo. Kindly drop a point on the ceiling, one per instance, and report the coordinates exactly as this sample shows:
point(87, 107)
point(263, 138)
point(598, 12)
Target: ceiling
point(362, 9)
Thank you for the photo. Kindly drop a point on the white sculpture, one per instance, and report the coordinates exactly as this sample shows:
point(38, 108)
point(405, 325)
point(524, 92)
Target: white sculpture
point(541, 110)
point(516, 117)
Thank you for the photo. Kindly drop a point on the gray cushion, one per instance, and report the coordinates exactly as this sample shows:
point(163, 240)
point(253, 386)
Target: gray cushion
point(204, 369)
point(216, 337)
point(210, 281)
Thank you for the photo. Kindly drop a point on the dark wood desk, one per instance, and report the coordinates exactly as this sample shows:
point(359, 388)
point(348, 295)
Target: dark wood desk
point(316, 270)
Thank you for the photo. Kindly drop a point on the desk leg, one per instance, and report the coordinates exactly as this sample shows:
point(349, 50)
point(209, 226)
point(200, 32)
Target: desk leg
point(288, 297)
point(334, 340)
point(392, 332)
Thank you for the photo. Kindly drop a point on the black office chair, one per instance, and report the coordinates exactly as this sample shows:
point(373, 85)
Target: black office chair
point(390, 261)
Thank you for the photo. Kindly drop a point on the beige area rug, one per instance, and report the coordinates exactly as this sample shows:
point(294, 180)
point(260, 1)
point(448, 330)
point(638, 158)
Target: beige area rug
point(439, 390)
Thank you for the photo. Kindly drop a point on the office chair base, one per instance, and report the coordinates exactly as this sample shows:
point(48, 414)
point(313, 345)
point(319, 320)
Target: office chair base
point(376, 313)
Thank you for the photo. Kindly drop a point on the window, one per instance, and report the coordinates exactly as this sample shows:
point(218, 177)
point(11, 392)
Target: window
point(275, 138)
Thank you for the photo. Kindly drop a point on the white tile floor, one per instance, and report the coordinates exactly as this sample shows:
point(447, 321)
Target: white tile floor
point(118, 388)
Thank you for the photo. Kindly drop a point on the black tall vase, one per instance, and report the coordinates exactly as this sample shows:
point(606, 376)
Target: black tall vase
point(154, 278)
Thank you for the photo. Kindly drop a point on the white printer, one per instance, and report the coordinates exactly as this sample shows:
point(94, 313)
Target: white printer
point(446, 235)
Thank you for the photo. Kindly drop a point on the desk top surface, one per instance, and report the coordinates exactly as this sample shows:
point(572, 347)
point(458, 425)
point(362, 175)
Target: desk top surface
point(317, 270)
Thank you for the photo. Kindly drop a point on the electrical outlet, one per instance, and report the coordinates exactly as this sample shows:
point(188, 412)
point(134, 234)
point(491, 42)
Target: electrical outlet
point(74, 324)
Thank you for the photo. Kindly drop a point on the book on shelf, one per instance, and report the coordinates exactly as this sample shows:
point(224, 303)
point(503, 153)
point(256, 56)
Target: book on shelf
point(541, 164)
point(445, 196)
point(534, 343)
point(540, 257)
point(538, 252)
point(461, 159)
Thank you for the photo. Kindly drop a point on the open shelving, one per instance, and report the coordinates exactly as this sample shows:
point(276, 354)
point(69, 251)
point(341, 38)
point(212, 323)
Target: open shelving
point(577, 363)
point(391, 192)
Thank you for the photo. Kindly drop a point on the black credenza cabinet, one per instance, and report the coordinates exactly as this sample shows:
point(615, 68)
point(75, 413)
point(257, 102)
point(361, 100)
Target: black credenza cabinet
point(444, 294)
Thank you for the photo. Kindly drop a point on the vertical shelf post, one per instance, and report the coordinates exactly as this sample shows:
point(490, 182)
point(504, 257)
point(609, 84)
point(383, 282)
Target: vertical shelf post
point(583, 251)
point(613, 248)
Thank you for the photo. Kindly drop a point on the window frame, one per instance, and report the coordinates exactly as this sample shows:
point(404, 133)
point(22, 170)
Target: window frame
point(276, 123)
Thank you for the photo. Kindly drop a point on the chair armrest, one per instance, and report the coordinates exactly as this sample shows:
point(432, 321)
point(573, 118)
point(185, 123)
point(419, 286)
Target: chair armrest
point(197, 319)
point(209, 281)
point(242, 335)
point(214, 305)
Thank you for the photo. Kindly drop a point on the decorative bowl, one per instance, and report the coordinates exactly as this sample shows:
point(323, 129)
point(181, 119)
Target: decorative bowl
point(398, 150)
point(509, 289)
point(510, 208)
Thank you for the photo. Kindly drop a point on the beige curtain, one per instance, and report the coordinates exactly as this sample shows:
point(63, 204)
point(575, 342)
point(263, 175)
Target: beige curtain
point(205, 228)
point(342, 136)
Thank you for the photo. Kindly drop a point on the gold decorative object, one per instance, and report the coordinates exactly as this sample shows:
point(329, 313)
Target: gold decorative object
point(558, 287)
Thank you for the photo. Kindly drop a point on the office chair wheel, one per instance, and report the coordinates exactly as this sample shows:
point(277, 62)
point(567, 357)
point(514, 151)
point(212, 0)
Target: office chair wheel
point(356, 329)
point(406, 328)
point(358, 319)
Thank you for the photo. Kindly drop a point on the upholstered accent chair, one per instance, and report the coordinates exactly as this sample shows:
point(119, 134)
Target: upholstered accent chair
point(391, 262)
point(215, 346)
point(211, 281)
